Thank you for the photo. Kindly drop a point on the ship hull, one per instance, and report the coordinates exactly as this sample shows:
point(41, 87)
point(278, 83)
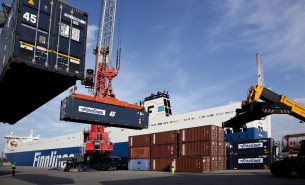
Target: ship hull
point(43, 158)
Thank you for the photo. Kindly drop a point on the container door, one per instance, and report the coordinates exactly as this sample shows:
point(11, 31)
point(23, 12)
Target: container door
point(34, 31)
point(69, 41)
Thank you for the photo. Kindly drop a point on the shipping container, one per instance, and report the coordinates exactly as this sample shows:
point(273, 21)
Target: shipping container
point(139, 164)
point(221, 148)
point(254, 146)
point(194, 134)
point(211, 132)
point(203, 133)
point(253, 161)
point(164, 151)
point(139, 152)
point(198, 164)
point(161, 138)
point(214, 163)
point(90, 112)
point(229, 155)
point(140, 140)
point(220, 134)
point(222, 165)
point(203, 148)
point(42, 54)
point(251, 133)
point(161, 164)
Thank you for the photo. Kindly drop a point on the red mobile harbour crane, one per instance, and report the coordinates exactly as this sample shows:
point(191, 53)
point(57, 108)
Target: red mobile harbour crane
point(273, 103)
point(102, 109)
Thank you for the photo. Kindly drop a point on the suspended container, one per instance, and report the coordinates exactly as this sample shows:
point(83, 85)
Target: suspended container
point(43, 47)
point(91, 112)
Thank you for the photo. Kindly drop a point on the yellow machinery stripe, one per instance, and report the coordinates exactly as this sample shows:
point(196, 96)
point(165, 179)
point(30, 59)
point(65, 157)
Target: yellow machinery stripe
point(61, 54)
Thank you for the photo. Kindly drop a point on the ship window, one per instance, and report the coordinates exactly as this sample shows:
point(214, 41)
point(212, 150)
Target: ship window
point(165, 103)
point(170, 111)
point(193, 118)
point(166, 111)
point(168, 103)
point(159, 123)
point(211, 115)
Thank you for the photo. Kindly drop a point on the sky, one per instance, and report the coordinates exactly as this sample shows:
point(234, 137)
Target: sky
point(203, 52)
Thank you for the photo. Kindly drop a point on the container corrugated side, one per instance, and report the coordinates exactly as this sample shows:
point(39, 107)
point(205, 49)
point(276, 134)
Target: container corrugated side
point(164, 151)
point(162, 164)
point(199, 164)
point(161, 138)
point(204, 148)
point(139, 152)
point(139, 140)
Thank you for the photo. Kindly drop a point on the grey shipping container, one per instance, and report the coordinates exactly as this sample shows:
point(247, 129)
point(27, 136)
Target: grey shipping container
point(85, 111)
point(43, 46)
point(139, 164)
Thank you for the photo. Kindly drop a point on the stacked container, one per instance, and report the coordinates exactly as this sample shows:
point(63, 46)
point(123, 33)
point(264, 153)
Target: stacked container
point(199, 146)
point(253, 154)
point(139, 152)
point(229, 155)
point(163, 149)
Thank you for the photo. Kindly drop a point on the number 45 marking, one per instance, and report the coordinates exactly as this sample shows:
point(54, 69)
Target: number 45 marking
point(30, 17)
point(112, 113)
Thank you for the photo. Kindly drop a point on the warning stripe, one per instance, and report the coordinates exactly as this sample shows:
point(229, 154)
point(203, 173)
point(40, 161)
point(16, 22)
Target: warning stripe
point(271, 111)
point(51, 51)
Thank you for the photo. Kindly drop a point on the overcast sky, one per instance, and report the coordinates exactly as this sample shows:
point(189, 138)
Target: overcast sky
point(201, 51)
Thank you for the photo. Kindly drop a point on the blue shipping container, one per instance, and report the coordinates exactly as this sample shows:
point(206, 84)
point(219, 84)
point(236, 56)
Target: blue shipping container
point(139, 164)
point(85, 111)
point(42, 54)
point(253, 161)
point(253, 146)
point(251, 133)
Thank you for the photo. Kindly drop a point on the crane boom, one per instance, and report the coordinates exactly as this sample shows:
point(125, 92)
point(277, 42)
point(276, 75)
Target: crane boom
point(104, 73)
point(273, 104)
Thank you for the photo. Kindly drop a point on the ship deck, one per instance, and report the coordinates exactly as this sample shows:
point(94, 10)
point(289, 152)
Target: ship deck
point(47, 176)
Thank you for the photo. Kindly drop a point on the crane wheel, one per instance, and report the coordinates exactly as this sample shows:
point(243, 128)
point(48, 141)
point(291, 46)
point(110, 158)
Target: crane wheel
point(280, 169)
point(301, 168)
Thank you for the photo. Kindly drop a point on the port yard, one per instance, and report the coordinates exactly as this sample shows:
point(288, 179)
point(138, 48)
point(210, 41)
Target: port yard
point(47, 176)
